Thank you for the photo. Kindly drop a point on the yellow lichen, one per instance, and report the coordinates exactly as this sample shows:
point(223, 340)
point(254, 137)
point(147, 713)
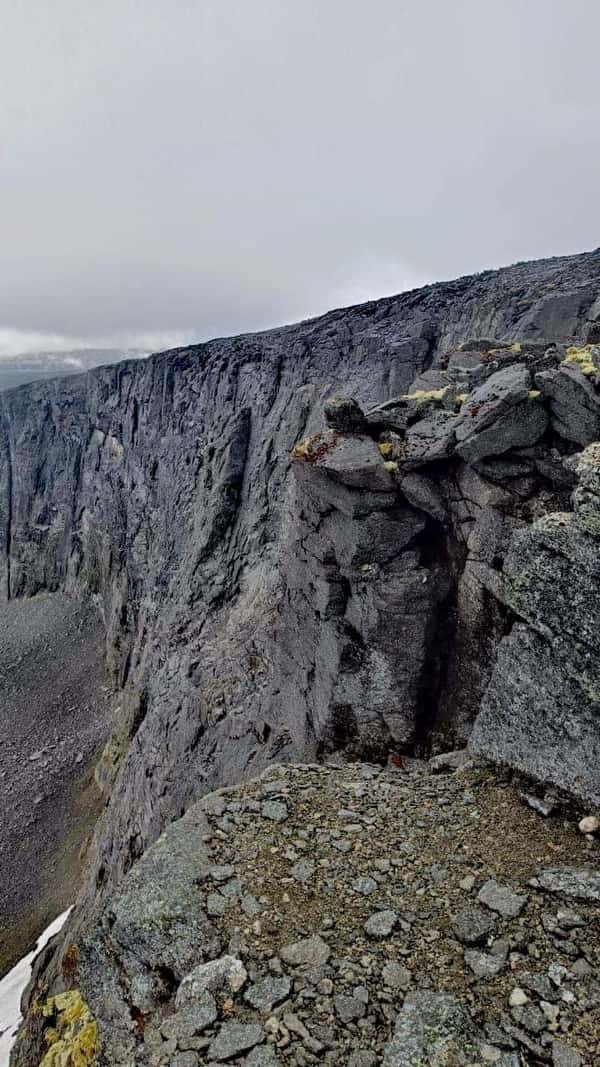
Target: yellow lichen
point(422, 396)
point(390, 466)
point(302, 449)
point(73, 1036)
point(516, 347)
point(533, 394)
point(460, 399)
point(582, 358)
point(386, 448)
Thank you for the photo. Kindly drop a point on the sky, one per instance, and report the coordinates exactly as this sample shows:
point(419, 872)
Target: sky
point(173, 170)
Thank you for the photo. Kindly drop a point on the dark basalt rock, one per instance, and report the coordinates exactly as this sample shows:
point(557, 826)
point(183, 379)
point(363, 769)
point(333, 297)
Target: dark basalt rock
point(344, 414)
point(574, 403)
point(499, 416)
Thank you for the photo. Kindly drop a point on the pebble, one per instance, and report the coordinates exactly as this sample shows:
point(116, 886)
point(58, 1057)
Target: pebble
point(381, 923)
point(349, 1008)
point(395, 976)
point(275, 810)
point(590, 825)
point(303, 871)
point(518, 998)
point(502, 899)
point(565, 1056)
point(365, 885)
point(311, 951)
point(473, 924)
point(265, 993)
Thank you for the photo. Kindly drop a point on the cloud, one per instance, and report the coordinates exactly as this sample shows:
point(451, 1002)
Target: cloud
point(15, 343)
point(220, 167)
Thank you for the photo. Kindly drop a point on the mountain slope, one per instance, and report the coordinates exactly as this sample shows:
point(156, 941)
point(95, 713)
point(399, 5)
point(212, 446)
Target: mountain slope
point(163, 489)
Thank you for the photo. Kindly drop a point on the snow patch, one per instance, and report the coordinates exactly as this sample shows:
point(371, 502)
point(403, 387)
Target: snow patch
point(12, 986)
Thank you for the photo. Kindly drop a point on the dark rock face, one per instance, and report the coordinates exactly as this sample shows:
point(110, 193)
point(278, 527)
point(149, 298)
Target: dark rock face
point(541, 711)
point(251, 615)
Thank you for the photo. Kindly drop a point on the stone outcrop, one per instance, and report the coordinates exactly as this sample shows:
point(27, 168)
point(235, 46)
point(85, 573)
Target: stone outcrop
point(472, 597)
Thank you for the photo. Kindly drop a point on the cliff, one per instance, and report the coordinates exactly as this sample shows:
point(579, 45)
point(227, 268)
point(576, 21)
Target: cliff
point(273, 590)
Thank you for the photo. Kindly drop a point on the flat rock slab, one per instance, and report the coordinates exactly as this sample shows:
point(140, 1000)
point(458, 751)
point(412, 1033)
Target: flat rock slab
point(234, 1038)
point(431, 1028)
point(580, 883)
point(502, 899)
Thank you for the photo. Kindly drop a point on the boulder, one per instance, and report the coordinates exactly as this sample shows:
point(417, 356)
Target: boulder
point(574, 403)
point(430, 439)
point(354, 461)
point(500, 415)
point(344, 414)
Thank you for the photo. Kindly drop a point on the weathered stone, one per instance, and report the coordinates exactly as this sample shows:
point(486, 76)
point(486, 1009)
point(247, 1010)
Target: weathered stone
point(353, 461)
point(311, 952)
point(262, 1056)
point(431, 1028)
point(381, 923)
point(500, 415)
point(430, 439)
point(344, 414)
point(484, 964)
point(195, 1016)
point(265, 993)
point(234, 1038)
point(502, 899)
point(423, 493)
point(472, 924)
point(575, 404)
point(563, 1055)
point(396, 976)
point(578, 883)
point(450, 761)
point(224, 973)
point(540, 711)
point(348, 1009)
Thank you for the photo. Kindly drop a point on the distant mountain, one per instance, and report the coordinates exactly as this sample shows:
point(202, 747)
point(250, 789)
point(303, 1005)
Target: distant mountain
point(37, 366)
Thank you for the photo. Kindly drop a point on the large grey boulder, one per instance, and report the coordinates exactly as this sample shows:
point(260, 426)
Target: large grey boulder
point(430, 439)
point(355, 460)
point(500, 415)
point(574, 403)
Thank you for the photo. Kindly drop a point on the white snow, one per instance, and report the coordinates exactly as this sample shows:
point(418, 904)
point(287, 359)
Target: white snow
point(12, 986)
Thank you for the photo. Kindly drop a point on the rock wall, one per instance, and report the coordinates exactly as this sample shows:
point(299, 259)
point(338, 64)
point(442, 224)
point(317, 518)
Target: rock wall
point(163, 489)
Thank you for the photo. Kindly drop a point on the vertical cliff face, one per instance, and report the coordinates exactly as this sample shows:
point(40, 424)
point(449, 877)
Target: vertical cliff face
point(163, 489)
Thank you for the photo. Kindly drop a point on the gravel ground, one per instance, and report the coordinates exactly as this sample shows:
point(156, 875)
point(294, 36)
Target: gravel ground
point(54, 717)
point(351, 900)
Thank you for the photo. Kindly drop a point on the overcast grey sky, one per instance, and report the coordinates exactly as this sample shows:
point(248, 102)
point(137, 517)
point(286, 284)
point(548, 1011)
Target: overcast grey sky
point(186, 168)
